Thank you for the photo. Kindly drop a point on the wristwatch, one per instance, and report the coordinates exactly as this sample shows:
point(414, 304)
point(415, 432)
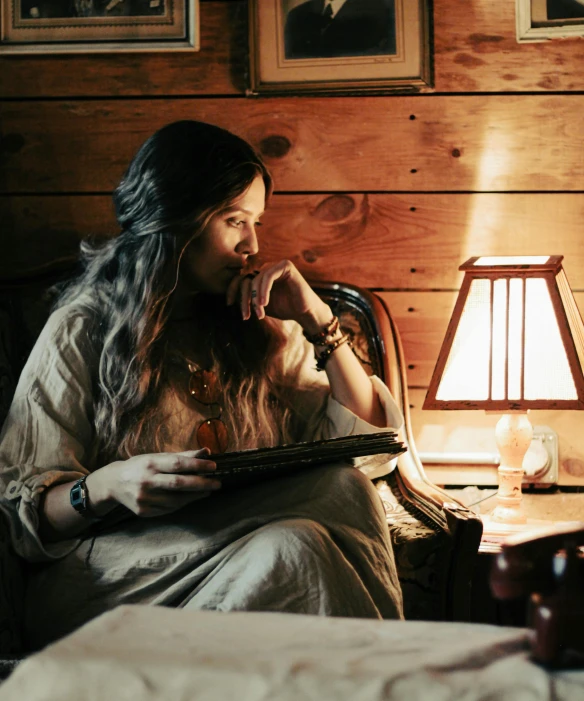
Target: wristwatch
point(80, 499)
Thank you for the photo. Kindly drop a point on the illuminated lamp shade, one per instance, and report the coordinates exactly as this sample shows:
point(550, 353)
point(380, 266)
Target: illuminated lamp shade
point(515, 342)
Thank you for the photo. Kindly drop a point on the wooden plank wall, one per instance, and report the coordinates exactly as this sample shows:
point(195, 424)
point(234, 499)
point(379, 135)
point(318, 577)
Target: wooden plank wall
point(389, 192)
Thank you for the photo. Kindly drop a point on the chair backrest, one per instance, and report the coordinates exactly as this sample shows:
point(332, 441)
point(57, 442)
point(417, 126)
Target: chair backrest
point(377, 343)
point(24, 309)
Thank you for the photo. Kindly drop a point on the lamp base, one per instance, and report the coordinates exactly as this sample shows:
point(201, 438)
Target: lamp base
point(493, 527)
point(509, 514)
point(513, 433)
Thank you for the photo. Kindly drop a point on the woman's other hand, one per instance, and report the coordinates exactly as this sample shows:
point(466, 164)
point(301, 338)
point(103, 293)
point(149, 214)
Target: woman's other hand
point(279, 290)
point(152, 484)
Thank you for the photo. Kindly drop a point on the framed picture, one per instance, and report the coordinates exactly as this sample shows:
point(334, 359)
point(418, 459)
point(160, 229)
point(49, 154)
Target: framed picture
point(538, 20)
point(339, 46)
point(83, 26)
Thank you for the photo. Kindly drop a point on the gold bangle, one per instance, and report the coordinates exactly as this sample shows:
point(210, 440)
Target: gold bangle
point(323, 356)
point(325, 335)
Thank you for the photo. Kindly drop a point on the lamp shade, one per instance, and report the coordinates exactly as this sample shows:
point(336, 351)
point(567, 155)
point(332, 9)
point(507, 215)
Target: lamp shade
point(515, 340)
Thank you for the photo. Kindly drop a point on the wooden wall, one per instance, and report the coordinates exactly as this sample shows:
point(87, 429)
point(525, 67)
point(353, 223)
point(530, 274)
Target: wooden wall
point(391, 192)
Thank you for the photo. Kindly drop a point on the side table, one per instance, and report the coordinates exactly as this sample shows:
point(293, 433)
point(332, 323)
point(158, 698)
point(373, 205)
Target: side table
point(542, 509)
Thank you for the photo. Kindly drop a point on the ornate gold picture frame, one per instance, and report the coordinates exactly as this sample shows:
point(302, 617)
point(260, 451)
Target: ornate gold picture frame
point(347, 46)
point(86, 26)
point(540, 20)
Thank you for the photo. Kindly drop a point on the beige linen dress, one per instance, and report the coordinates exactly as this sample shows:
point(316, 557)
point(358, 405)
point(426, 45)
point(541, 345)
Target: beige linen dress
point(315, 542)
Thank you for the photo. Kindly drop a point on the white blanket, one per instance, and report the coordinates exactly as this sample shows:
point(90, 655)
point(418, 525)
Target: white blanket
point(146, 653)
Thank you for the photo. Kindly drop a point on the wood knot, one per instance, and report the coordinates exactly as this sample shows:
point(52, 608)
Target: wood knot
point(334, 208)
point(275, 146)
point(574, 467)
point(309, 256)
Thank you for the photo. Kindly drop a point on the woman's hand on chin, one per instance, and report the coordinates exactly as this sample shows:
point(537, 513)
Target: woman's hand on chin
point(278, 290)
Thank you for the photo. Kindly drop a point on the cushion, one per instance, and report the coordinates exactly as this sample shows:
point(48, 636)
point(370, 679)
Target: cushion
point(419, 548)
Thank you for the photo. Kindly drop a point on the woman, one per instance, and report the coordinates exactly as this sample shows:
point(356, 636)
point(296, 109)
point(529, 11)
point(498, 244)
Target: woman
point(167, 348)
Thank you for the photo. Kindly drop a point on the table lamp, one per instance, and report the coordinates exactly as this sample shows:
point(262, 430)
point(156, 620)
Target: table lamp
point(515, 342)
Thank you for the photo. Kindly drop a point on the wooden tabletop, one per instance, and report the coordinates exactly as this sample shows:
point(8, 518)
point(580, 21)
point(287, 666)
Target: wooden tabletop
point(543, 510)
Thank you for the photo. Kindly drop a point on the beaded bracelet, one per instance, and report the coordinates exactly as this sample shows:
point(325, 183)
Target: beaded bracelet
point(325, 335)
point(323, 356)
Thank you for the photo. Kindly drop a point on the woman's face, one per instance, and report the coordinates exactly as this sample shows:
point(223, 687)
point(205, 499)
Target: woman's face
point(220, 253)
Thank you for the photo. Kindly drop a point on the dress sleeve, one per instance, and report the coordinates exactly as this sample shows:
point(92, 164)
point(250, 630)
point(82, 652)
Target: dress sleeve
point(322, 416)
point(48, 433)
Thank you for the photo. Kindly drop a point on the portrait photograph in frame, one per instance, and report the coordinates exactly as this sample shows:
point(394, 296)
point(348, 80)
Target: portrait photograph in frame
point(344, 46)
point(87, 26)
point(540, 20)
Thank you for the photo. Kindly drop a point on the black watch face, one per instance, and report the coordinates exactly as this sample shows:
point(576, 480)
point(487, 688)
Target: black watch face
point(77, 500)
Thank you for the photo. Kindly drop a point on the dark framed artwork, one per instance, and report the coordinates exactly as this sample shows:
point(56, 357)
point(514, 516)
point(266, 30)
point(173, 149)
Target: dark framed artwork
point(86, 26)
point(339, 46)
point(539, 20)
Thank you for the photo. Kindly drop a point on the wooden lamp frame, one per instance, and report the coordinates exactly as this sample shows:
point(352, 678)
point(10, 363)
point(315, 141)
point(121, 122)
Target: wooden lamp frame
point(569, 323)
point(514, 431)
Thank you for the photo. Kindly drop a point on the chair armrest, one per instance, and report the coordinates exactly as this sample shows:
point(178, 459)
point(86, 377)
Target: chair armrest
point(435, 502)
point(462, 527)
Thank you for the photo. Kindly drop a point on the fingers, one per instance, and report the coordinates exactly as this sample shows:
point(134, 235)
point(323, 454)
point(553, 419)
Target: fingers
point(233, 289)
point(245, 297)
point(261, 286)
point(187, 462)
point(248, 289)
point(253, 305)
point(200, 453)
point(184, 483)
point(157, 483)
point(255, 290)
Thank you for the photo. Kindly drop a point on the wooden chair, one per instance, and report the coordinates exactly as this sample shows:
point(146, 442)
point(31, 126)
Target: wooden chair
point(435, 538)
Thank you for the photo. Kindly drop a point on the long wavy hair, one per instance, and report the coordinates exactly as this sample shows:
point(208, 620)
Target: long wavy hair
point(180, 177)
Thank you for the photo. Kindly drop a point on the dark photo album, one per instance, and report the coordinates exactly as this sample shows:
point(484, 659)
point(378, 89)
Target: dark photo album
point(250, 466)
